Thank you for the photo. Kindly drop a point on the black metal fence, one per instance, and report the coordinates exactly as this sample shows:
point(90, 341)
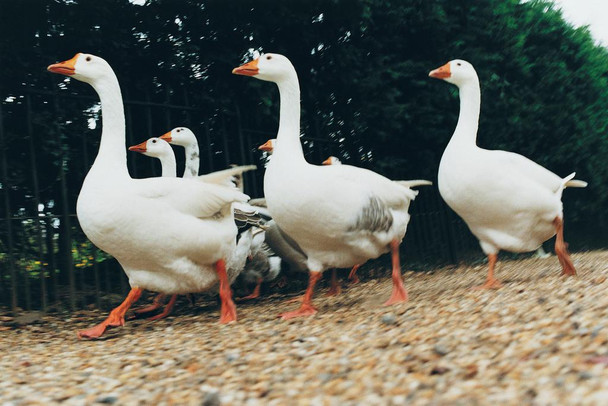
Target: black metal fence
point(47, 263)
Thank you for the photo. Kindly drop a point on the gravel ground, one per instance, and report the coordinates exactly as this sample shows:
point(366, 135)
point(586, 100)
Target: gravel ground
point(541, 339)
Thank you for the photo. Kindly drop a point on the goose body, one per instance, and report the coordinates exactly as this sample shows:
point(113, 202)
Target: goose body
point(170, 235)
point(356, 213)
point(509, 204)
point(508, 201)
point(339, 215)
point(160, 149)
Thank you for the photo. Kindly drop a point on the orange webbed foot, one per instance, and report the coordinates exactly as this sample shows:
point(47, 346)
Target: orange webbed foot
point(93, 332)
point(304, 310)
point(334, 291)
point(490, 284)
point(228, 312)
point(255, 294)
point(98, 330)
point(399, 295)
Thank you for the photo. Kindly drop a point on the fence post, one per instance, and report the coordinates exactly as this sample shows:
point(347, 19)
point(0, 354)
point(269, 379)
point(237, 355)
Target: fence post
point(7, 213)
point(167, 110)
point(33, 168)
point(129, 120)
point(225, 139)
point(208, 141)
point(248, 176)
point(65, 215)
point(149, 127)
point(50, 252)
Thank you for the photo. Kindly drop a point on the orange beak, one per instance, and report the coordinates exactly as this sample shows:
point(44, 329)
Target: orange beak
point(66, 67)
point(166, 136)
point(249, 69)
point(267, 146)
point(327, 161)
point(139, 147)
point(442, 72)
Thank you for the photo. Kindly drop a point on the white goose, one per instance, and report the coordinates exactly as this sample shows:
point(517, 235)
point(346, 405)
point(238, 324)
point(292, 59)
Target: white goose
point(508, 201)
point(170, 235)
point(340, 215)
point(184, 137)
point(160, 149)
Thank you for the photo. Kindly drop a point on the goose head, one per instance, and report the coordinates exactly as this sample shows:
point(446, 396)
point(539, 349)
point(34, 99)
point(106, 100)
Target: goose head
point(332, 160)
point(84, 67)
point(457, 72)
point(180, 136)
point(268, 146)
point(154, 147)
point(269, 67)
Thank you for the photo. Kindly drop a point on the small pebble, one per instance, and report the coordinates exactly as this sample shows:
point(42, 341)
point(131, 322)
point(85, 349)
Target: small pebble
point(389, 319)
point(441, 350)
point(211, 399)
point(108, 400)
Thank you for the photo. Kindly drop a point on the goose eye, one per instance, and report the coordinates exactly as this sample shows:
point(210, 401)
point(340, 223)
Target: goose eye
point(458, 64)
point(153, 141)
point(88, 59)
point(268, 57)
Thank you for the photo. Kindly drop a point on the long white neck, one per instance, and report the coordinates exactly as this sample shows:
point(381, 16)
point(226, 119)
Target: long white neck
point(112, 153)
point(168, 165)
point(465, 133)
point(192, 160)
point(288, 144)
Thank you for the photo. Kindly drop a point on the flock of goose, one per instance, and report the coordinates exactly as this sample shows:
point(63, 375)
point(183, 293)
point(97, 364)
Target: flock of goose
point(179, 236)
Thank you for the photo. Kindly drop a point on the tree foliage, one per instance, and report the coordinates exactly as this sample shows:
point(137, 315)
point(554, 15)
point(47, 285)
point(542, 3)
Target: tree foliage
point(363, 68)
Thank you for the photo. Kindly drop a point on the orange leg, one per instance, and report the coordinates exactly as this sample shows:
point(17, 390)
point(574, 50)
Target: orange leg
point(335, 288)
point(561, 249)
point(352, 276)
point(399, 294)
point(167, 310)
point(491, 282)
point(228, 309)
point(306, 308)
point(256, 291)
point(157, 303)
point(116, 317)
